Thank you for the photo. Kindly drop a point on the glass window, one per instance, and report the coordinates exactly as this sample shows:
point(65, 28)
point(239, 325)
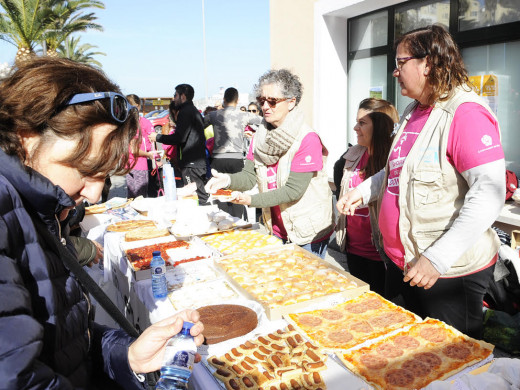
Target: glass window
point(369, 31)
point(484, 13)
point(495, 68)
point(421, 14)
point(367, 77)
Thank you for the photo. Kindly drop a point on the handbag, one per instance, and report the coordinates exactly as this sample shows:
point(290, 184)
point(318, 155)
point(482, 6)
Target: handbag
point(99, 295)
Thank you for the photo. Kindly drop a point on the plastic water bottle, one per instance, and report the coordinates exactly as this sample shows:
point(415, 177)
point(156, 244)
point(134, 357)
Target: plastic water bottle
point(170, 188)
point(159, 282)
point(179, 359)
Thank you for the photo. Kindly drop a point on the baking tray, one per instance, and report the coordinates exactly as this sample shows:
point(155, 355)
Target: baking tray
point(277, 312)
point(170, 257)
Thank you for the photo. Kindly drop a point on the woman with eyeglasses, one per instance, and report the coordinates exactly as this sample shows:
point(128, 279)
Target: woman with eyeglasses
point(286, 160)
point(357, 234)
point(442, 187)
point(63, 128)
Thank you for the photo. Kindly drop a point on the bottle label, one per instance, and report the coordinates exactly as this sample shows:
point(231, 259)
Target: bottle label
point(181, 355)
point(158, 270)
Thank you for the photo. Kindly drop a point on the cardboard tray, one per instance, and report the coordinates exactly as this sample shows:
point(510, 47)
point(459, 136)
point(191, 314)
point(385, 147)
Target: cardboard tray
point(276, 313)
point(243, 225)
point(515, 239)
point(194, 249)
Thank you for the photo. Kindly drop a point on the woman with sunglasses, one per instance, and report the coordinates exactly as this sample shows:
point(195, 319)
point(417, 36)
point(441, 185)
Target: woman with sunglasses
point(442, 188)
point(254, 108)
point(63, 128)
point(286, 159)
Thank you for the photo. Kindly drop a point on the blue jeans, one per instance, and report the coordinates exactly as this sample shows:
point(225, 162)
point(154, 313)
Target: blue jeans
point(318, 248)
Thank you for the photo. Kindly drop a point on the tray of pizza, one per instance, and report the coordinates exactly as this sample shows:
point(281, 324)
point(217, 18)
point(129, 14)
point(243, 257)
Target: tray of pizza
point(289, 279)
point(194, 251)
point(138, 254)
point(241, 241)
point(352, 322)
point(415, 356)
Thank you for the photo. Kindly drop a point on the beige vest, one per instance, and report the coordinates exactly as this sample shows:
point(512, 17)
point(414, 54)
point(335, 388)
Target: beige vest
point(352, 158)
point(309, 218)
point(431, 191)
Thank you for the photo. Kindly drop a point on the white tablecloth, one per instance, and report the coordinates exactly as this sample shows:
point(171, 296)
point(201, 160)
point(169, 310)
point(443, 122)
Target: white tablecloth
point(135, 300)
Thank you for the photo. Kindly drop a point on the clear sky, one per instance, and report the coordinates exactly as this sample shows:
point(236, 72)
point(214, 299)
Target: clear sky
point(151, 46)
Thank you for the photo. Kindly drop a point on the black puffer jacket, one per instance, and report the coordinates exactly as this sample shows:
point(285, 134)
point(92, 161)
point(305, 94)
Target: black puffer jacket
point(45, 338)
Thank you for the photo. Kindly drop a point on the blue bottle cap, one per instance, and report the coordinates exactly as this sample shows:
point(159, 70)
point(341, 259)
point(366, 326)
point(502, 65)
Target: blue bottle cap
point(156, 253)
point(186, 326)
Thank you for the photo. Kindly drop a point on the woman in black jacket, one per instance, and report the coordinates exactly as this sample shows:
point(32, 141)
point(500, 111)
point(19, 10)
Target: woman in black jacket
point(63, 128)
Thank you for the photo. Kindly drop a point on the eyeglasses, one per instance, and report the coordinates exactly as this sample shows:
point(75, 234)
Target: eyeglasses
point(255, 111)
point(400, 61)
point(119, 106)
point(270, 100)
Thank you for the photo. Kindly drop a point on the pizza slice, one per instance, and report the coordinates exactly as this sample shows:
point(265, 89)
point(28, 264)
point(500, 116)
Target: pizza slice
point(223, 195)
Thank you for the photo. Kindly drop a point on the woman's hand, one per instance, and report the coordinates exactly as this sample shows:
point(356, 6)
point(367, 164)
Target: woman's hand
point(241, 198)
point(147, 352)
point(152, 136)
point(218, 181)
point(348, 203)
point(99, 254)
point(422, 274)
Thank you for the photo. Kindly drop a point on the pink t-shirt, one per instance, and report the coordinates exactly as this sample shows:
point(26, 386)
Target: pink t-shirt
point(359, 230)
point(145, 144)
point(473, 140)
point(308, 158)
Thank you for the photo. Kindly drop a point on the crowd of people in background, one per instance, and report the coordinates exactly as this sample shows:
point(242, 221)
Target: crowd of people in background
point(417, 195)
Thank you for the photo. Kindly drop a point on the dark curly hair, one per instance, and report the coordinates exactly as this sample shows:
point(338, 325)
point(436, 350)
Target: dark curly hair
point(447, 70)
point(33, 100)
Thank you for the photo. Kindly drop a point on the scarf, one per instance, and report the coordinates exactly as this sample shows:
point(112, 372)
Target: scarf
point(273, 143)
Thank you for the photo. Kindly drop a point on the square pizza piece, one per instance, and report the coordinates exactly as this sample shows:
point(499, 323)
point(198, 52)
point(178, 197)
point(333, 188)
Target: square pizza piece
point(350, 323)
point(412, 358)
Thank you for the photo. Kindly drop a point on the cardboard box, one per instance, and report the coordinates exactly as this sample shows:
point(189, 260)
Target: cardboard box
point(515, 239)
point(276, 312)
point(171, 255)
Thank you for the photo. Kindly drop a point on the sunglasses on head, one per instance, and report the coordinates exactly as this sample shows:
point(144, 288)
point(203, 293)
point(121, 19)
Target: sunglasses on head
point(119, 106)
point(270, 100)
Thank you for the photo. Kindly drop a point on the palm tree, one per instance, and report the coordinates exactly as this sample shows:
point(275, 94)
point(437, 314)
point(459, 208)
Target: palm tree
point(72, 50)
point(26, 23)
point(66, 18)
point(22, 24)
